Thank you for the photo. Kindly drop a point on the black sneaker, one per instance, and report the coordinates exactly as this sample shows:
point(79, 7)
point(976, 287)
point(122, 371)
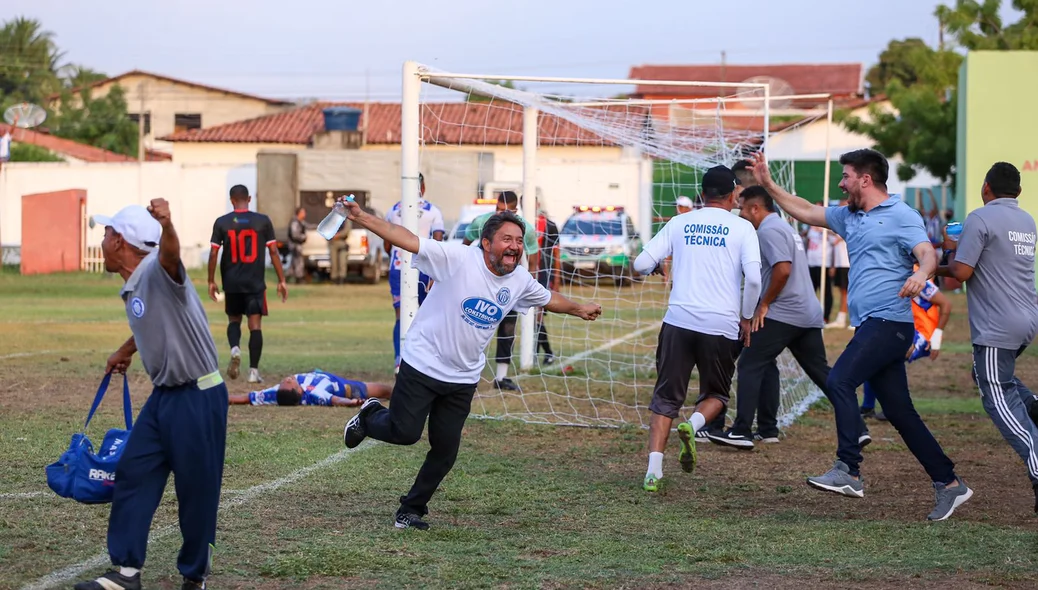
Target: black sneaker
point(703, 434)
point(549, 359)
point(506, 384)
point(192, 585)
point(409, 520)
point(770, 439)
point(881, 416)
point(112, 580)
point(864, 439)
point(354, 433)
point(868, 412)
point(732, 439)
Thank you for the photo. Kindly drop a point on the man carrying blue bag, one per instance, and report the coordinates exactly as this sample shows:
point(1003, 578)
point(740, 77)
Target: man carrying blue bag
point(182, 428)
point(82, 474)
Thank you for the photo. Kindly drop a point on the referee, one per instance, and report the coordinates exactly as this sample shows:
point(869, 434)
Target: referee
point(884, 239)
point(182, 427)
point(476, 288)
point(995, 258)
point(713, 252)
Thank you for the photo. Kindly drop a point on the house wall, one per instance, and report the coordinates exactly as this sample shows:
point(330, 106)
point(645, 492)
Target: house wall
point(213, 153)
point(197, 195)
point(164, 99)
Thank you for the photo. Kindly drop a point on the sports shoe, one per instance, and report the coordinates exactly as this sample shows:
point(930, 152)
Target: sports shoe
point(651, 483)
point(868, 412)
point(254, 376)
point(506, 384)
point(354, 433)
point(687, 456)
point(768, 440)
point(732, 439)
point(881, 416)
point(838, 480)
point(409, 520)
point(549, 359)
point(234, 368)
point(703, 434)
point(865, 439)
point(946, 499)
point(112, 580)
point(192, 585)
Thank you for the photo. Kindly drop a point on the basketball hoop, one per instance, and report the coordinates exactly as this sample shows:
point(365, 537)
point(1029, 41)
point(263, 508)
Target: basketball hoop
point(25, 115)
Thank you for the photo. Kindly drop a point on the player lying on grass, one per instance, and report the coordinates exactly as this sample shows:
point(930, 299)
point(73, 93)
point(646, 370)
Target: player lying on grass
point(316, 388)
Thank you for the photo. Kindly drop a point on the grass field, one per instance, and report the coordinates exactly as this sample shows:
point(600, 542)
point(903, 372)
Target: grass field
point(527, 506)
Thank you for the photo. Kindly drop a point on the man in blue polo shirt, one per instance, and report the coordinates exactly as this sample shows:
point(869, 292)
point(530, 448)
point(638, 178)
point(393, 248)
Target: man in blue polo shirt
point(885, 237)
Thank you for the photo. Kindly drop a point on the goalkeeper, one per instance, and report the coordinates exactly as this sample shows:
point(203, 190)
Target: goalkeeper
point(476, 287)
point(507, 201)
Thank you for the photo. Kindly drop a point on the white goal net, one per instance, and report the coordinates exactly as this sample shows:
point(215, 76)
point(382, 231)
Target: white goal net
point(608, 172)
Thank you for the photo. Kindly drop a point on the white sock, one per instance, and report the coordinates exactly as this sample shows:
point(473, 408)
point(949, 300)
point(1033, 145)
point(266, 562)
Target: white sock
point(655, 464)
point(129, 572)
point(697, 421)
point(235, 350)
point(502, 371)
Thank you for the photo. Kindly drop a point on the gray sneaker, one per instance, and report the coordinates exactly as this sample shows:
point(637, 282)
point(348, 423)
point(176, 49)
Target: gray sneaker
point(948, 499)
point(839, 480)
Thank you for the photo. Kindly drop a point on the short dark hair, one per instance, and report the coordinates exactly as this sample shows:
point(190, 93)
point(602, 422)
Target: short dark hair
point(494, 223)
point(867, 161)
point(759, 193)
point(743, 170)
point(239, 191)
point(288, 397)
point(509, 198)
point(1003, 179)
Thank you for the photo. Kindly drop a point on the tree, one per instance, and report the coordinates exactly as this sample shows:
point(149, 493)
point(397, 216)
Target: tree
point(26, 152)
point(100, 122)
point(977, 25)
point(28, 70)
point(77, 76)
point(897, 62)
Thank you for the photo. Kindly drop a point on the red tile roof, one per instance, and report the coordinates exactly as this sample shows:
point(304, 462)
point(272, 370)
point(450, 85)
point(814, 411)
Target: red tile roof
point(270, 101)
point(840, 80)
point(73, 149)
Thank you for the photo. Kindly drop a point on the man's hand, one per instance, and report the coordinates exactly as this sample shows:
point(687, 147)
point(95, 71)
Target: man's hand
point(589, 311)
point(761, 172)
point(914, 285)
point(283, 291)
point(934, 354)
point(159, 209)
point(353, 208)
point(119, 362)
point(757, 321)
point(744, 331)
point(948, 244)
point(213, 291)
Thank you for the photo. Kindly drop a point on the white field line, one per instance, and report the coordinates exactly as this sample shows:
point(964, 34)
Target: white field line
point(614, 342)
point(18, 355)
point(66, 574)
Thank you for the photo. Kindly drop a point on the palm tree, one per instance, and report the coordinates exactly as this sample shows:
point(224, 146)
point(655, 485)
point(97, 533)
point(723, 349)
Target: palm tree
point(30, 62)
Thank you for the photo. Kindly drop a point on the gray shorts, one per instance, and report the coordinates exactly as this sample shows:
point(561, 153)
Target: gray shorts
point(678, 352)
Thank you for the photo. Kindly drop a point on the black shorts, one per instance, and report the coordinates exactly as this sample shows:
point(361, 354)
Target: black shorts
point(677, 353)
point(840, 276)
point(245, 304)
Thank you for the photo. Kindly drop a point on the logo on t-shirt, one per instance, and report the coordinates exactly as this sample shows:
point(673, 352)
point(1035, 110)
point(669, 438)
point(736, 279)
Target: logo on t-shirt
point(481, 313)
point(137, 307)
point(503, 296)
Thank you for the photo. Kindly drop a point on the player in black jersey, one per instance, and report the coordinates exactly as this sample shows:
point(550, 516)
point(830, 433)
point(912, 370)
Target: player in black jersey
point(243, 234)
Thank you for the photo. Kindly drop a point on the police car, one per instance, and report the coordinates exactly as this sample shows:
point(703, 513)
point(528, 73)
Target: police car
point(468, 214)
point(599, 242)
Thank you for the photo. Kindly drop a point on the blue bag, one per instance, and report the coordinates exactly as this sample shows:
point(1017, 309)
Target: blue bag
point(83, 475)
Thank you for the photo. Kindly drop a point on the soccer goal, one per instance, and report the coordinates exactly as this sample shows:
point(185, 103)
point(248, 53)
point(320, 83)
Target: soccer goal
point(608, 170)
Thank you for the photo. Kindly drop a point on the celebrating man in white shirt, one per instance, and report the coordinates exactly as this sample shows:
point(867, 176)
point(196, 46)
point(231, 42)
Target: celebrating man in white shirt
point(477, 286)
point(705, 326)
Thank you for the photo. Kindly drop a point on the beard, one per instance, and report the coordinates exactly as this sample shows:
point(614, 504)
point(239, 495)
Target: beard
point(506, 262)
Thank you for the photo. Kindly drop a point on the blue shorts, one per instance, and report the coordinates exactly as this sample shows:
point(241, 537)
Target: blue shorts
point(394, 286)
point(920, 347)
point(358, 389)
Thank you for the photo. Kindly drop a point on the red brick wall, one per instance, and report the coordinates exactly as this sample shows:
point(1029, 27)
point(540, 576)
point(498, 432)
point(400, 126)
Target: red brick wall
point(52, 231)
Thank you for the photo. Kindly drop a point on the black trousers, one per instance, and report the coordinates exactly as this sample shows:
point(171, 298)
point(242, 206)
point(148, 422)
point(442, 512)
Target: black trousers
point(506, 338)
point(415, 398)
point(827, 293)
point(757, 389)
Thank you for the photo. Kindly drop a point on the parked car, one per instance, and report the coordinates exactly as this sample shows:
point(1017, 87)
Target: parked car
point(366, 256)
point(468, 214)
point(599, 242)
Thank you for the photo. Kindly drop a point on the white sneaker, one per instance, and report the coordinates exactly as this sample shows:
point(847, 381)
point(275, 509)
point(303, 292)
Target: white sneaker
point(840, 322)
point(254, 376)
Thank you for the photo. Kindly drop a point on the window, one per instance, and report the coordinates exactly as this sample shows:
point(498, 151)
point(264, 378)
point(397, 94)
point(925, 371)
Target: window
point(183, 122)
point(147, 121)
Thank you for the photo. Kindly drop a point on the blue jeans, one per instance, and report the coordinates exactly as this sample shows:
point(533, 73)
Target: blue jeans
point(876, 354)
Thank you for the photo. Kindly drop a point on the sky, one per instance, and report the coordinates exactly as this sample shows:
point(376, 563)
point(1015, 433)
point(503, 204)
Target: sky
point(342, 50)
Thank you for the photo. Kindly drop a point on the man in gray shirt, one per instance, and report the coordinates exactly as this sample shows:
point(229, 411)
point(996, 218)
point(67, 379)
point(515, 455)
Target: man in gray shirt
point(182, 427)
point(995, 258)
point(793, 320)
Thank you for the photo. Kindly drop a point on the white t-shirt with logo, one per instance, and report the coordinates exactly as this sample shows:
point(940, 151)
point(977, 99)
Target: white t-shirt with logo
point(452, 328)
point(710, 246)
point(430, 221)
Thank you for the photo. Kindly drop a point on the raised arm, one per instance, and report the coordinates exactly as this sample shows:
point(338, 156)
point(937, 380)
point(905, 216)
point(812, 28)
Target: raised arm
point(169, 244)
point(396, 235)
point(797, 207)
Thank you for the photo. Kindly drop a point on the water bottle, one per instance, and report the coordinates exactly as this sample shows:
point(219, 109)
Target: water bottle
point(330, 225)
point(954, 230)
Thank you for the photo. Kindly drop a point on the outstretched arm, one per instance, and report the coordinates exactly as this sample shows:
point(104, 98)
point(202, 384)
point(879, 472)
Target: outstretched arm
point(799, 208)
point(396, 235)
point(241, 399)
point(560, 304)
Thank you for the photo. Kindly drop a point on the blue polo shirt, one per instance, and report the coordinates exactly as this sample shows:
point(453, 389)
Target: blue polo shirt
point(879, 243)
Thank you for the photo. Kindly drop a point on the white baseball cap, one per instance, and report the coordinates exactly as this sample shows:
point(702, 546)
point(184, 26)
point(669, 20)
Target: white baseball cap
point(135, 225)
point(684, 202)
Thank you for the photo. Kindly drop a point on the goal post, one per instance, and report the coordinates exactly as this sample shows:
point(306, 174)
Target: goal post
point(622, 159)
